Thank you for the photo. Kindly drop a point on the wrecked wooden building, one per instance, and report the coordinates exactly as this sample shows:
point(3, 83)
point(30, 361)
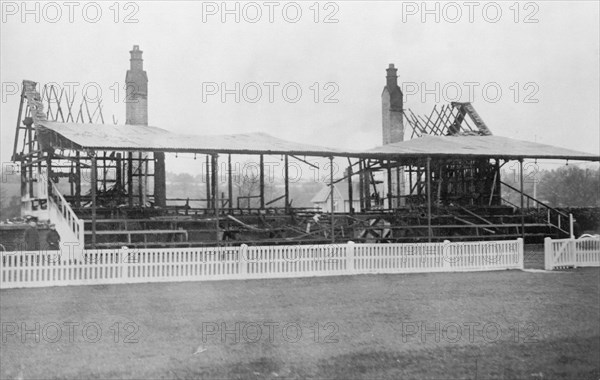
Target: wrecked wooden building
point(442, 182)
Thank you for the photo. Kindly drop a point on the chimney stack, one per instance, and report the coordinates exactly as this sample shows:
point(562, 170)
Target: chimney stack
point(136, 113)
point(136, 90)
point(393, 129)
point(392, 104)
point(392, 76)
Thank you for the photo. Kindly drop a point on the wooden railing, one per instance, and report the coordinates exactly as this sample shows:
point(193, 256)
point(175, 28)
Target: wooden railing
point(66, 221)
point(555, 218)
point(123, 266)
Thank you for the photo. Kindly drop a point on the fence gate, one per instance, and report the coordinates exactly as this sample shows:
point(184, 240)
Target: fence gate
point(564, 253)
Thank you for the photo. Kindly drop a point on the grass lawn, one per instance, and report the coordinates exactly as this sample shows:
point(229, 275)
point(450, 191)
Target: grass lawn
point(506, 324)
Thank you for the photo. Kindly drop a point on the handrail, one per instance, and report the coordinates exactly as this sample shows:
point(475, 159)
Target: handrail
point(75, 224)
point(537, 201)
point(558, 225)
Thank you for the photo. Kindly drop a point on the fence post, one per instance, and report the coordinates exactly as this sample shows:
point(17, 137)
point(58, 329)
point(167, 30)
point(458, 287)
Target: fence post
point(571, 234)
point(446, 251)
point(521, 248)
point(548, 254)
point(350, 257)
point(242, 259)
point(124, 262)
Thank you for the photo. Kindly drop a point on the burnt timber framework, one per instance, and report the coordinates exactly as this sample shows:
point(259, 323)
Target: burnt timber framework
point(402, 197)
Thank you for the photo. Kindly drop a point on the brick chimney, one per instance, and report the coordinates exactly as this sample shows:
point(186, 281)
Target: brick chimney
point(136, 90)
point(393, 128)
point(392, 103)
point(136, 113)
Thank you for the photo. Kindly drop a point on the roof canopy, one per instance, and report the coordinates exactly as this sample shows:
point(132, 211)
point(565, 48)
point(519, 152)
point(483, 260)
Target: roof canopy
point(477, 146)
point(146, 138)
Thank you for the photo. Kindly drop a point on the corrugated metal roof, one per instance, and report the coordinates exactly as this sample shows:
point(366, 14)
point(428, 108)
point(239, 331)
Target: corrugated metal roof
point(480, 146)
point(140, 137)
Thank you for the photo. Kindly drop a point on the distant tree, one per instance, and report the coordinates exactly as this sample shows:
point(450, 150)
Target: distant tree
point(570, 186)
point(247, 183)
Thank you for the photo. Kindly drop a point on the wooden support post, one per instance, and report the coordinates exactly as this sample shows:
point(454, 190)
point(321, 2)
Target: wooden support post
point(498, 190)
point(287, 184)
point(141, 179)
point(410, 182)
point(29, 133)
point(331, 196)
point(118, 174)
point(429, 199)
point(71, 179)
point(389, 185)
point(129, 178)
point(104, 172)
point(571, 232)
point(23, 179)
point(78, 180)
point(215, 179)
point(361, 188)
point(94, 184)
point(48, 173)
point(160, 180)
point(367, 185)
point(522, 203)
point(215, 183)
point(229, 183)
point(262, 181)
point(208, 186)
point(399, 189)
point(350, 195)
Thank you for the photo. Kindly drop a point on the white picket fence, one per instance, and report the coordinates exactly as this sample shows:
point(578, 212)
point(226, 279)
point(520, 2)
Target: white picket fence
point(564, 253)
point(126, 266)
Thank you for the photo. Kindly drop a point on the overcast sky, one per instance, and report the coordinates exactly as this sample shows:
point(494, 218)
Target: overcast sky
point(542, 56)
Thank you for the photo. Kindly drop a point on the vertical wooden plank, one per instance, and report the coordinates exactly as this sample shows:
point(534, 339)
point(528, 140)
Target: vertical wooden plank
point(215, 173)
point(140, 167)
point(262, 181)
point(350, 194)
point(332, 201)
point(94, 183)
point(129, 178)
point(389, 184)
point(230, 183)
point(522, 203)
point(429, 199)
point(78, 179)
point(287, 184)
point(208, 185)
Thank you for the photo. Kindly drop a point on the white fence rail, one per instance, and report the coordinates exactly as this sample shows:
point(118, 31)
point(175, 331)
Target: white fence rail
point(125, 266)
point(563, 253)
point(68, 225)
